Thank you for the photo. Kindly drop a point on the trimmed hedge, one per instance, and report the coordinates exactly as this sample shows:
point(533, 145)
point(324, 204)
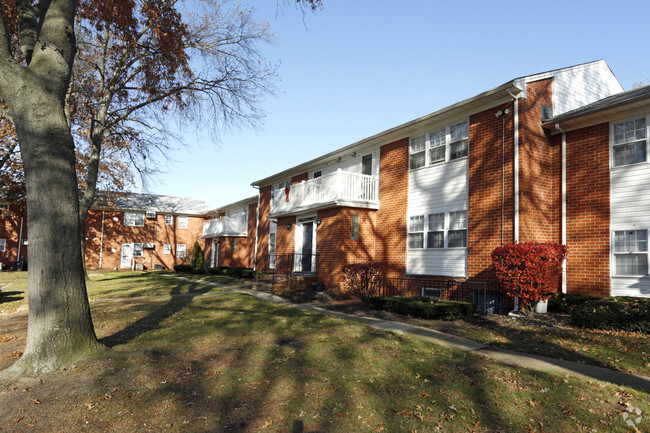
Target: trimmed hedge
point(614, 314)
point(425, 308)
point(565, 302)
point(233, 272)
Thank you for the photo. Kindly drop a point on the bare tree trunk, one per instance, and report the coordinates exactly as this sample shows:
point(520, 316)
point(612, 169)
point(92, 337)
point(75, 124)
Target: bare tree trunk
point(60, 325)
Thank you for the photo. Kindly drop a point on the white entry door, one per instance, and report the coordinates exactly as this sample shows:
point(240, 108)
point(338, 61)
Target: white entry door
point(126, 256)
point(215, 254)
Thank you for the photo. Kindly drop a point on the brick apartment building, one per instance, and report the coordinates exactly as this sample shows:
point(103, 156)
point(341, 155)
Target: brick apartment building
point(560, 156)
point(433, 197)
point(138, 231)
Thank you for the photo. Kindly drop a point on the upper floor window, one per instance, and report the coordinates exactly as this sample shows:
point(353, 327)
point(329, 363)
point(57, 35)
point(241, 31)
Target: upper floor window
point(167, 248)
point(182, 221)
point(443, 230)
point(631, 252)
point(445, 144)
point(629, 142)
point(169, 220)
point(4, 207)
point(134, 219)
point(366, 164)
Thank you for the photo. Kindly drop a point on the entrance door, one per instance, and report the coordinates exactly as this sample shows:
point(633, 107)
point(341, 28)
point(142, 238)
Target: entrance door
point(215, 254)
point(126, 256)
point(307, 246)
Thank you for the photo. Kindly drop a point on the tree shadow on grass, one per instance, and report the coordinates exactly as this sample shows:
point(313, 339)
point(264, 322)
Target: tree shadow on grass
point(153, 320)
point(10, 296)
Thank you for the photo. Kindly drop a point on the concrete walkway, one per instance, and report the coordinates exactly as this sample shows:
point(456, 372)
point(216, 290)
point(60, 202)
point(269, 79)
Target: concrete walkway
point(503, 356)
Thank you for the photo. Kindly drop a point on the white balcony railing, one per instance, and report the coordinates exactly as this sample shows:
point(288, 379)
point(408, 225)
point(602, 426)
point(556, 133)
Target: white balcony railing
point(340, 188)
point(226, 227)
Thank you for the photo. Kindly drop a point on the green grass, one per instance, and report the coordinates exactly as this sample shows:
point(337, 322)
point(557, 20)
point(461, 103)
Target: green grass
point(216, 361)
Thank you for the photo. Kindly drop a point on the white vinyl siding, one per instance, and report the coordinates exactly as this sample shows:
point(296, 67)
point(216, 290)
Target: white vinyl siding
point(438, 189)
point(134, 219)
point(167, 249)
point(630, 207)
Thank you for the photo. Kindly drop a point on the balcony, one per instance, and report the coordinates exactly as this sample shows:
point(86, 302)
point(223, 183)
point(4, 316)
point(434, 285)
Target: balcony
point(340, 188)
point(225, 227)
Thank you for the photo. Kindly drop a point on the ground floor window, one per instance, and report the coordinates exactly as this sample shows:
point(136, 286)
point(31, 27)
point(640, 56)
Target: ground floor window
point(3, 245)
point(180, 251)
point(631, 252)
point(443, 230)
point(167, 248)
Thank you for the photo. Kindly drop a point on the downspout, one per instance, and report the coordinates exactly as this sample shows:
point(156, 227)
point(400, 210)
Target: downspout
point(101, 242)
point(516, 169)
point(564, 209)
point(516, 179)
point(257, 227)
point(20, 239)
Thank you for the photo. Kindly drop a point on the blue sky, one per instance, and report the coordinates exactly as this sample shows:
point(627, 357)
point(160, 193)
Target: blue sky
point(360, 67)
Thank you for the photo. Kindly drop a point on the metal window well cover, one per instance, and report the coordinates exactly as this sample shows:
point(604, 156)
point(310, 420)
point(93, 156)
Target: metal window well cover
point(488, 302)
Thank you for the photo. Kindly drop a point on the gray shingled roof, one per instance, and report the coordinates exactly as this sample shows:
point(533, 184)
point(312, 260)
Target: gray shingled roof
point(602, 104)
point(160, 204)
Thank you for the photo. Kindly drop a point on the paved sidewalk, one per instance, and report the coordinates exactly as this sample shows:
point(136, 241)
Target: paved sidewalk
point(503, 356)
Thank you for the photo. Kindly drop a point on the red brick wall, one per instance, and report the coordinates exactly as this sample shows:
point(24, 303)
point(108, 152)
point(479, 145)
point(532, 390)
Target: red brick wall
point(490, 188)
point(588, 210)
point(335, 246)
point(539, 169)
point(393, 198)
point(263, 226)
point(10, 231)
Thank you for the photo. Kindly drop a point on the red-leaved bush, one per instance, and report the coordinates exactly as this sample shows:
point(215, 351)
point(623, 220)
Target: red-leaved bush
point(364, 280)
point(529, 270)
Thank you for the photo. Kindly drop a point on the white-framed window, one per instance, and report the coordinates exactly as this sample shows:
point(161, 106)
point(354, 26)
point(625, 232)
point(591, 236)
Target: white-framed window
point(416, 231)
point(167, 248)
point(233, 245)
point(417, 157)
point(4, 207)
point(436, 233)
point(180, 250)
point(3, 245)
point(134, 219)
point(137, 250)
point(182, 222)
point(629, 142)
point(631, 252)
point(440, 145)
point(444, 230)
point(169, 220)
point(457, 234)
point(437, 146)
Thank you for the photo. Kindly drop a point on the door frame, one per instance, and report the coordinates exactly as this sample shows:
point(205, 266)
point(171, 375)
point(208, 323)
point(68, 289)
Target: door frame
point(300, 223)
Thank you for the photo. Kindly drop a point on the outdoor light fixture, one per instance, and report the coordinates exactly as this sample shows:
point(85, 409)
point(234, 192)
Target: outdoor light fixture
point(289, 226)
point(318, 222)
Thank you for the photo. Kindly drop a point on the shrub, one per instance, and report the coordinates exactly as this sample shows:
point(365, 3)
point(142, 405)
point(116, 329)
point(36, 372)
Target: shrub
point(529, 270)
point(183, 269)
point(197, 256)
point(565, 302)
point(614, 314)
point(425, 308)
point(364, 280)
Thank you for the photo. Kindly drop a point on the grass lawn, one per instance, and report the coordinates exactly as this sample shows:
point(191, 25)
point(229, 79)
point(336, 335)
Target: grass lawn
point(209, 361)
